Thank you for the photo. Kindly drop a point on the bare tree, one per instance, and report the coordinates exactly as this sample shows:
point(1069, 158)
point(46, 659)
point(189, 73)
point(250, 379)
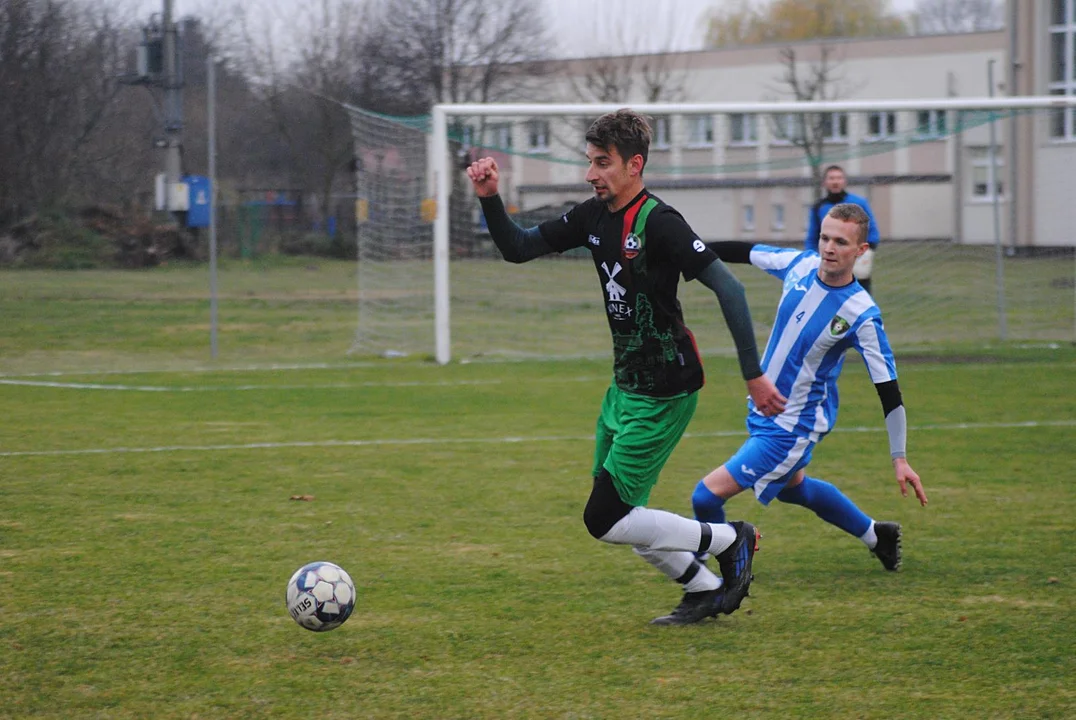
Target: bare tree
point(304, 68)
point(817, 79)
point(248, 145)
point(958, 16)
point(629, 59)
point(58, 63)
point(462, 50)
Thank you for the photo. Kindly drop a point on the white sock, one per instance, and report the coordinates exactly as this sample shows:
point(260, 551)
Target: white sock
point(674, 563)
point(661, 530)
point(869, 538)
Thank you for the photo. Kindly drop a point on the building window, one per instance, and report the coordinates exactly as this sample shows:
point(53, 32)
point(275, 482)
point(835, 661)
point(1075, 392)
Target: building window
point(881, 126)
point(1062, 66)
point(749, 218)
point(661, 133)
point(835, 127)
point(743, 129)
point(538, 136)
point(931, 124)
point(787, 129)
point(500, 136)
point(980, 175)
point(700, 131)
point(778, 217)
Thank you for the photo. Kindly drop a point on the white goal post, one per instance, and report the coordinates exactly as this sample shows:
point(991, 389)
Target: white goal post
point(441, 163)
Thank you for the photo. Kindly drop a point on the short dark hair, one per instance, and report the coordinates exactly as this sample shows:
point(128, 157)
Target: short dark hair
point(850, 212)
point(624, 129)
point(833, 167)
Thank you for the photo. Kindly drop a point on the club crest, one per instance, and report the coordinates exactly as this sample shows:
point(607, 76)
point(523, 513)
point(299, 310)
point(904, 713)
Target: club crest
point(838, 326)
point(632, 245)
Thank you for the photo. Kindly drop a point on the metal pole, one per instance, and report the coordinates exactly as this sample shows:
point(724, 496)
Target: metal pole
point(1013, 86)
point(958, 179)
point(173, 113)
point(442, 187)
point(991, 178)
point(211, 112)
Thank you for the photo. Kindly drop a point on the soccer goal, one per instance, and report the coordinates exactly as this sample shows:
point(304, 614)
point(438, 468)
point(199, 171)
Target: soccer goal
point(977, 242)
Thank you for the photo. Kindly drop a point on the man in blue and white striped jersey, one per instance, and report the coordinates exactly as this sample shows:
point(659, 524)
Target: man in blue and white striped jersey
point(823, 313)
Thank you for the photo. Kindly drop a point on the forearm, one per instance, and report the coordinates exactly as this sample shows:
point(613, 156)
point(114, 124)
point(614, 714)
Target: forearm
point(733, 300)
point(517, 245)
point(896, 420)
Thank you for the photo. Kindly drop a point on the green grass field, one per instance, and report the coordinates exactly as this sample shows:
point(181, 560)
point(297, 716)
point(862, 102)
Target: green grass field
point(147, 530)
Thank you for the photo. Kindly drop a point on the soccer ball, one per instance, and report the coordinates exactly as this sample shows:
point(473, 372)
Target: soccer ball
point(320, 596)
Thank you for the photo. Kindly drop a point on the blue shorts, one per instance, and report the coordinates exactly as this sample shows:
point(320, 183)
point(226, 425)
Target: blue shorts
point(767, 461)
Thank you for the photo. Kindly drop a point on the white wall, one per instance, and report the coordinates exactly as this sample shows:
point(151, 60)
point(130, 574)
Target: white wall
point(1055, 196)
point(921, 211)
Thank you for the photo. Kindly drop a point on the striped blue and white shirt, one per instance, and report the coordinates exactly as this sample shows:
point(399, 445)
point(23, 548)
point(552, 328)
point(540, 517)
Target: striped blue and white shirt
point(815, 326)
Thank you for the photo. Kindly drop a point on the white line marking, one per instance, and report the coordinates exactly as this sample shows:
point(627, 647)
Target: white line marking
point(488, 441)
point(200, 369)
point(225, 388)
point(229, 388)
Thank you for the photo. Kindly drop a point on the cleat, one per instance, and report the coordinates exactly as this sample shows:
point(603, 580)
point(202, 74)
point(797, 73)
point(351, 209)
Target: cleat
point(888, 549)
point(693, 608)
point(735, 564)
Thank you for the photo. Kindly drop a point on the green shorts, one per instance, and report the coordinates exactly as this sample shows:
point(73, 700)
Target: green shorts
point(636, 435)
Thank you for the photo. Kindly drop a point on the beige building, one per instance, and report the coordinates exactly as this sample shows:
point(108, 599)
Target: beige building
point(926, 173)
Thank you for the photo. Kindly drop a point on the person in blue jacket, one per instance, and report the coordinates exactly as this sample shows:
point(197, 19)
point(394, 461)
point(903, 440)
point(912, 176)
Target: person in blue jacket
point(835, 182)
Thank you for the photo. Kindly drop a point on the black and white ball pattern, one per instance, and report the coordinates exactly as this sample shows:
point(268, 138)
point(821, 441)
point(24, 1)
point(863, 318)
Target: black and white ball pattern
point(320, 596)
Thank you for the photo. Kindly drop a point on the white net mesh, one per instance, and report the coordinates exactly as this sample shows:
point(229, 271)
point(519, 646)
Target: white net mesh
point(394, 272)
point(940, 276)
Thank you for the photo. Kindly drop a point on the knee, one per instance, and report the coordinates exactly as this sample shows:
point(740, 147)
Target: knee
point(604, 508)
point(705, 503)
point(803, 493)
point(595, 522)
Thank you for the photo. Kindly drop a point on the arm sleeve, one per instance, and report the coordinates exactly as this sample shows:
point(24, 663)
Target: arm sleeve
point(896, 421)
point(517, 245)
point(873, 238)
point(732, 251)
point(730, 294)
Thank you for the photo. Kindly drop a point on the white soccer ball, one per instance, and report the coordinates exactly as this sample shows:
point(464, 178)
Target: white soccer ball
point(320, 596)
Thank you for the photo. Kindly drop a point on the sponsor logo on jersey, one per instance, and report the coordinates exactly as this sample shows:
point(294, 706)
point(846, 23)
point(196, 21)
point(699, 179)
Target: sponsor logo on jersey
point(838, 326)
point(632, 246)
point(594, 240)
point(748, 471)
point(615, 292)
point(699, 245)
point(792, 282)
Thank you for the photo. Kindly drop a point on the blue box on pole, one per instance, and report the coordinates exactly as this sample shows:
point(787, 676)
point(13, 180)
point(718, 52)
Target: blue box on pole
point(198, 208)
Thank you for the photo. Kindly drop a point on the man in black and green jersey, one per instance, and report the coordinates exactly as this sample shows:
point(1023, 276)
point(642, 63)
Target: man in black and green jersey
point(641, 247)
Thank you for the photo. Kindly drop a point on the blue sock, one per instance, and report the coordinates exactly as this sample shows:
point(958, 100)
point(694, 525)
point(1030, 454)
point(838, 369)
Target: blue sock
point(708, 507)
point(828, 503)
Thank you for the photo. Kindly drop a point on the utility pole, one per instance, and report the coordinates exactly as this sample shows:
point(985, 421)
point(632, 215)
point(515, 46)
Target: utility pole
point(173, 109)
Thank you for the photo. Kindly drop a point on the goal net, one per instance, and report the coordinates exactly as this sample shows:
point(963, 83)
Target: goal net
point(959, 263)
